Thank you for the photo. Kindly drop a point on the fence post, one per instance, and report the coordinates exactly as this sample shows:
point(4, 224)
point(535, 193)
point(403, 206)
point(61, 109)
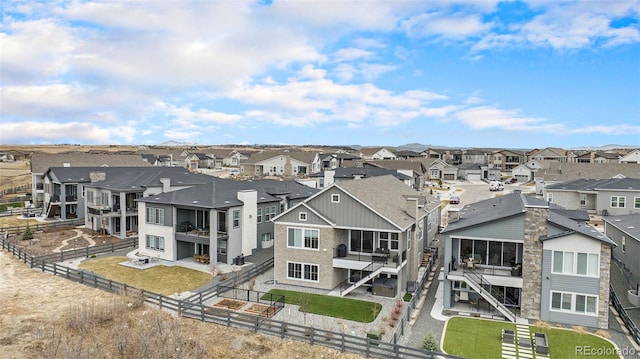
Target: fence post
point(55, 268)
point(43, 261)
point(87, 250)
point(160, 301)
point(81, 276)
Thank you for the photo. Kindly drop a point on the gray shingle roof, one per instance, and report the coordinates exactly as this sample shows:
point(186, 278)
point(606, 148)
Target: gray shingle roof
point(126, 178)
point(41, 161)
point(386, 195)
point(629, 224)
point(555, 171)
point(364, 172)
point(513, 204)
point(222, 193)
point(596, 184)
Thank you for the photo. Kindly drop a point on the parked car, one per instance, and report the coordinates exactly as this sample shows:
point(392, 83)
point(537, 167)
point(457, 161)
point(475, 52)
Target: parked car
point(513, 180)
point(454, 200)
point(496, 186)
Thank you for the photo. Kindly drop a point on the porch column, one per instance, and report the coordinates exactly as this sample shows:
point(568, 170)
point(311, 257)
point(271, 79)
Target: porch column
point(123, 215)
point(213, 237)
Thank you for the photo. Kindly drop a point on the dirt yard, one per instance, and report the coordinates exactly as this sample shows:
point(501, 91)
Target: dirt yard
point(46, 242)
point(51, 317)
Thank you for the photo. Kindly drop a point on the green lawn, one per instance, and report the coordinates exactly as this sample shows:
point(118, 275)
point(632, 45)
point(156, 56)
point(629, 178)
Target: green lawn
point(159, 279)
point(478, 339)
point(337, 307)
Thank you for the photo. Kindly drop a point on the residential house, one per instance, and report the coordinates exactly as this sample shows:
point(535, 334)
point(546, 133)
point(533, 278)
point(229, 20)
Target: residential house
point(614, 196)
point(527, 258)
point(328, 177)
point(506, 160)
point(555, 172)
point(41, 162)
point(281, 163)
point(235, 158)
point(370, 232)
point(376, 153)
point(475, 156)
point(526, 172)
point(470, 171)
point(441, 170)
point(110, 198)
point(414, 169)
point(549, 154)
point(221, 220)
point(625, 232)
point(631, 157)
point(332, 161)
point(407, 155)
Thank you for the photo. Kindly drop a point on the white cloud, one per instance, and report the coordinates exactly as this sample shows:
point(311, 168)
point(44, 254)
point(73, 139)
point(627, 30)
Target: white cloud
point(71, 132)
point(446, 25)
point(608, 130)
point(485, 117)
point(350, 54)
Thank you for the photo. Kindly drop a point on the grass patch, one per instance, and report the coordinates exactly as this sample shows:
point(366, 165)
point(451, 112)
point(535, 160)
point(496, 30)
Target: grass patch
point(15, 205)
point(337, 307)
point(477, 338)
point(159, 279)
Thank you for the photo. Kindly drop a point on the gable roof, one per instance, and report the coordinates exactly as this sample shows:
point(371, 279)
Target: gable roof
point(386, 196)
point(555, 171)
point(302, 156)
point(515, 204)
point(126, 178)
point(362, 172)
point(41, 161)
point(415, 166)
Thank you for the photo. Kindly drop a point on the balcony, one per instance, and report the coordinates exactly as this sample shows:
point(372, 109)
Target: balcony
point(358, 261)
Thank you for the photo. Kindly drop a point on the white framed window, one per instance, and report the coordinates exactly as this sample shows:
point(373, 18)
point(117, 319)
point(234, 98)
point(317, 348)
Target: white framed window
point(266, 237)
point(388, 240)
point(302, 271)
point(222, 246)
point(335, 198)
point(574, 303)
point(259, 215)
point(409, 239)
point(636, 202)
point(549, 197)
point(236, 219)
point(302, 216)
point(155, 215)
point(154, 242)
point(618, 201)
point(583, 200)
point(269, 212)
point(303, 238)
point(624, 244)
point(90, 197)
point(104, 199)
point(576, 263)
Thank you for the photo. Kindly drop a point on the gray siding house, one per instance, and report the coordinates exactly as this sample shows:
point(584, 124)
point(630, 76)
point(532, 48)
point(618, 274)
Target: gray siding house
point(527, 259)
point(625, 231)
point(221, 220)
point(614, 196)
point(356, 233)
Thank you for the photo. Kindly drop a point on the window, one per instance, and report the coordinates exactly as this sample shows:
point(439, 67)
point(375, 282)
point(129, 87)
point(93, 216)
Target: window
point(272, 169)
point(266, 237)
point(587, 264)
point(155, 242)
point(155, 215)
point(303, 238)
point(335, 198)
point(388, 240)
point(104, 199)
point(90, 197)
point(302, 216)
point(617, 201)
point(259, 215)
point(361, 241)
point(636, 202)
point(624, 244)
point(302, 271)
point(269, 212)
point(282, 208)
point(222, 246)
point(583, 200)
point(236, 219)
point(576, 303)
point(549, 197)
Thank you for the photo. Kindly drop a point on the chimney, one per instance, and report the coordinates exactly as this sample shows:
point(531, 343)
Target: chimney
point(453, 215)
point(411, 206)
point(97, 176)
point(535, 227)
point(166, 184)
point(329, 177)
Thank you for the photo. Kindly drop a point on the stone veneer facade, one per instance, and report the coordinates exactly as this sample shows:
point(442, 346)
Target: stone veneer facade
point(605, 276)
point(535, 226)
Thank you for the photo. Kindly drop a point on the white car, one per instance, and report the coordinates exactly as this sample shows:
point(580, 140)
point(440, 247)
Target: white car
point(496, 186)
point(234, 172)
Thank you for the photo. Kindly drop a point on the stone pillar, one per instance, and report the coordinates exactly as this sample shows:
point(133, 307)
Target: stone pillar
point(535, 226)
point(605, 274)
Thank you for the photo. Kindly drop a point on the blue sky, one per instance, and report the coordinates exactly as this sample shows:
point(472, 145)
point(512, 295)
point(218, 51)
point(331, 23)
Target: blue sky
point(457, 73)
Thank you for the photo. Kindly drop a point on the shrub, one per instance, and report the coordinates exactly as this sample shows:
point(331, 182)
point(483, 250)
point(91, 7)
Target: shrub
point(430, 343)
point(27, 234)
